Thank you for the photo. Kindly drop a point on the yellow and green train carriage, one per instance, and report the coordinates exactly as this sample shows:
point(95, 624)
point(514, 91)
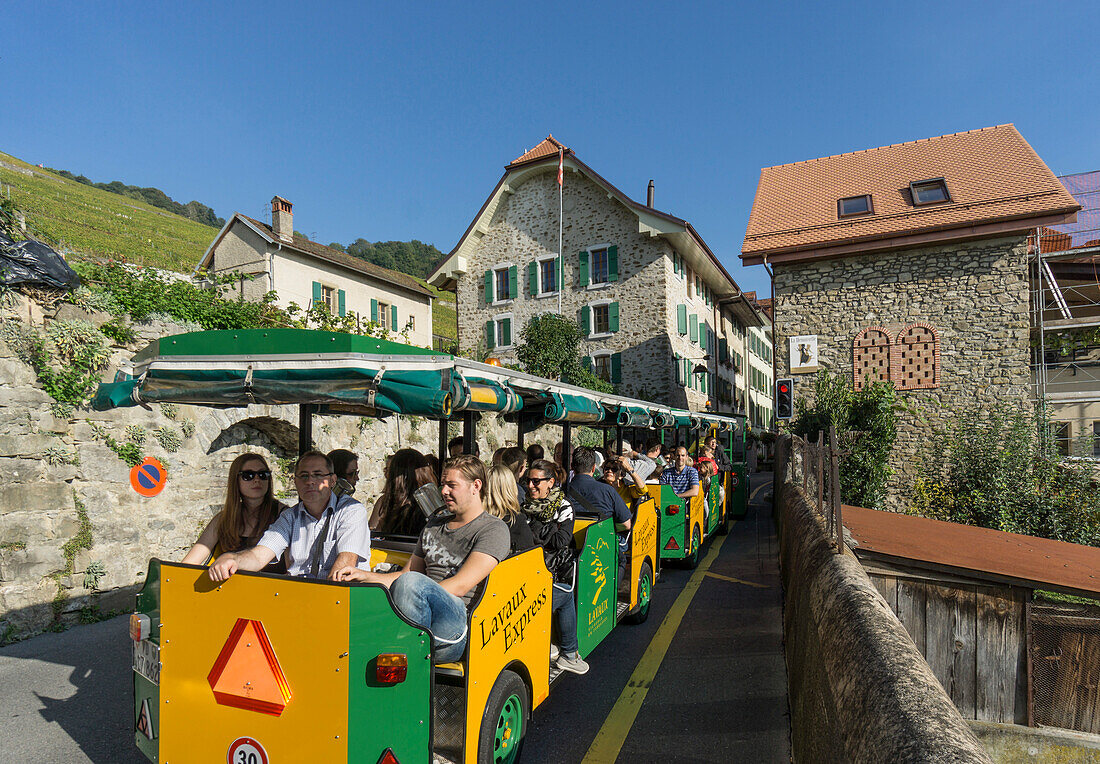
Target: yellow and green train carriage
point(267, 668)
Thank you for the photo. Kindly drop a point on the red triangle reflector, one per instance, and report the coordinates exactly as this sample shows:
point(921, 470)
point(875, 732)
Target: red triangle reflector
point(388, 757)
point(672, 543)
point(247, 674)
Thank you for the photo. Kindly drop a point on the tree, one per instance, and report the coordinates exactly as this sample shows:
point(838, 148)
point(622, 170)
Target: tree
point(550, 347)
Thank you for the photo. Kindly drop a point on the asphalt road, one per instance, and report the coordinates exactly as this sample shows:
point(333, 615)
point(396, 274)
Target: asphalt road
point(716, 694)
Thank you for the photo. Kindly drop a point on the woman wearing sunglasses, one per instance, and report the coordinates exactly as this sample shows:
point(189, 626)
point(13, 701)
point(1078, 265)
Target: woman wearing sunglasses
point(250, 507)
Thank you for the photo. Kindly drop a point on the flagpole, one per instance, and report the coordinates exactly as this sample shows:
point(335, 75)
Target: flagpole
point(561, 224)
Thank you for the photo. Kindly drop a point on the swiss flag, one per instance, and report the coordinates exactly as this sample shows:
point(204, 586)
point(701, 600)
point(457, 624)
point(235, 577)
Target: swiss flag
point(561, 166)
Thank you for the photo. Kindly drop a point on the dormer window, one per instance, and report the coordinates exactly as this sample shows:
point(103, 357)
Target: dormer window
point(929, 191)
point(854, 205)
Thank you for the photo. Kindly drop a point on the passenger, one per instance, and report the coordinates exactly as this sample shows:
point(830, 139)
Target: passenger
point(497, 454)
point(455, 446)
point(250, 508)
point(707, 469)
point(683, 478)
point(320, 534)
point(535, 451)
point(557, 454)
point(452, 557)
point(620, 472)
point(551, 518)
point(720, 455)
point(433, 462)
point(641, 463)
point(346, 466)
point(516, 460)
point(705, 457)
point(395, 512)
point(653, 452)
point(599, 499)
point(502, 502)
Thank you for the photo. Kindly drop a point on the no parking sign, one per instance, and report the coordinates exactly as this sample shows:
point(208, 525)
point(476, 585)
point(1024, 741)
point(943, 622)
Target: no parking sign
point(149, 477)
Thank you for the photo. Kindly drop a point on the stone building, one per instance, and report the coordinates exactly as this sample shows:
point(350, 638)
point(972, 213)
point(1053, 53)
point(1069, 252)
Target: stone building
point(908, 263)
point(662, 318)
point(305, 273)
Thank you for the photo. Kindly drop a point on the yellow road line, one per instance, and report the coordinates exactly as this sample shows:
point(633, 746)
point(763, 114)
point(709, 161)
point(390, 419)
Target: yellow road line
point(609, 740)
point(736, 580)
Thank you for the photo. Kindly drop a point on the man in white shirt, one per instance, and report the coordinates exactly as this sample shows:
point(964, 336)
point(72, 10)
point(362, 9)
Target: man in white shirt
point(320, 534)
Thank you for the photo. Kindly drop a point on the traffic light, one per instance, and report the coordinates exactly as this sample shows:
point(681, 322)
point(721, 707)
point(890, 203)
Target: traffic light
point(784, 399)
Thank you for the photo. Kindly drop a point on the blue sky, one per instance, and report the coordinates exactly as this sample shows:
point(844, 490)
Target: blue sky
point(394, 121)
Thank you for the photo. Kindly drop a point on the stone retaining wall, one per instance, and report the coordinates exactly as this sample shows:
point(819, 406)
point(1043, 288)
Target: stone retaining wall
point(859, 690)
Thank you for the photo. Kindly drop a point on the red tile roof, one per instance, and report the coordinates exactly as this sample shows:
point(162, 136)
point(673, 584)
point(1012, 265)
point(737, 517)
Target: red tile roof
point(320, 251)
point(992, 175)
point(981, 552)
point(549, 147)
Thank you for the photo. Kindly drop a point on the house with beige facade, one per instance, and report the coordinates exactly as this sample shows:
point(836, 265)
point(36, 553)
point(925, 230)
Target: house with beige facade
point(909, 264)
point(662, 319)
point(273, 258)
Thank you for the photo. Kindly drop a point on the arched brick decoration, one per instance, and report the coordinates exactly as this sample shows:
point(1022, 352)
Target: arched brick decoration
point(916, 359)
point(871, 351)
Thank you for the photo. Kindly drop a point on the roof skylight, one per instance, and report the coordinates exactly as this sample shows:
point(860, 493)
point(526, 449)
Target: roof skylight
point(854, 205)
point(929, 191)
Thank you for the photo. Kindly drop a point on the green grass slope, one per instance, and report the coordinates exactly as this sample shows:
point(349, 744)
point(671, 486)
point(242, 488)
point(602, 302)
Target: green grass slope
point(91, 221)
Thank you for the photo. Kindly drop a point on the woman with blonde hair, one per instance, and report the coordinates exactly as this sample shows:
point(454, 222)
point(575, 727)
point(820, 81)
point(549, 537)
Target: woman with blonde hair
point(250, 507)
point(501, 500)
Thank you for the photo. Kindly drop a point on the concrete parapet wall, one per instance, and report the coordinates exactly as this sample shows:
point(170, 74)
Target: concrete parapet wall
point(1014, 744)
point(859, 689)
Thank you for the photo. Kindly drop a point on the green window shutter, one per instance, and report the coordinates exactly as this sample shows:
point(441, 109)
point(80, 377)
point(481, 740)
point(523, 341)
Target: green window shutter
point(582, 262)
point(682, 319)
point(693, 327)
point(723, 349)
point(393, 317)
point(613, 263)
point(506, 331)
point(341, 296)
point(488, 287)
point(586, 363)
point(613, 317)
point(533, 278)
point(513, 282)
point(586, 321)
point(616, 368)
point(559, 268)
point(490, 334)
point(703, 379)
point(316, 292)
point(374, 311)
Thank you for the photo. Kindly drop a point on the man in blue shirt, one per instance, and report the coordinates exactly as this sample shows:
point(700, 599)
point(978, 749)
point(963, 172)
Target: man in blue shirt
point(683, 479)
point(590, 495)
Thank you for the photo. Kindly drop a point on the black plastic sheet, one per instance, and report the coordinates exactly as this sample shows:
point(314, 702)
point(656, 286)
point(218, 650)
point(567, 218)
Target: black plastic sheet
point(32, 262)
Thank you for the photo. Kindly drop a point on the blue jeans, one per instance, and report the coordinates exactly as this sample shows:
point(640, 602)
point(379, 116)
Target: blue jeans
point(565, 616)
point(427, 604)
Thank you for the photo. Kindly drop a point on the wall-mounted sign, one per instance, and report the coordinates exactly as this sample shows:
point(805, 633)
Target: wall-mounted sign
point(149, 477)
point(804, 354)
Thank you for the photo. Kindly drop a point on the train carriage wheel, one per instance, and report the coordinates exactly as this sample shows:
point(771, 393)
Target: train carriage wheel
point(645, 593)
point(504, 721)
point(692, 559)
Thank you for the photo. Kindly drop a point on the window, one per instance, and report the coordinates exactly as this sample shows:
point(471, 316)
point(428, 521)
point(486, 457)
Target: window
point(411, 324)
point(498, 332)
point(501, 277)
point(599, 266)
point(1096, 438)
point(602, 366)
point(600, 319)
point(929, 191)
point(548, 276)
point(1061, 432)
point(328, 297)
point(384, 316)
point(854, 205)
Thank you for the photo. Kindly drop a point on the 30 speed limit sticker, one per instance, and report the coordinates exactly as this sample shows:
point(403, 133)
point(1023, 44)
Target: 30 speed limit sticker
point(246, 750)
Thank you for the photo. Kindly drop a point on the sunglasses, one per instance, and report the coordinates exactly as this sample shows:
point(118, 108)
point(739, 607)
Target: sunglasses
point(248, 475)
point(536, 481)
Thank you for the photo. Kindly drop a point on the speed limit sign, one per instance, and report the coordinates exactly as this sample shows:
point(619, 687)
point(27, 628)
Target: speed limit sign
point(246, 750)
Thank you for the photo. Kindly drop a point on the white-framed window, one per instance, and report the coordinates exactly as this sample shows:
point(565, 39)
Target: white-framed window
point(502, 330)
point(501, 284)
point(601, 364)
point(547, 275)
point(328, 297)
point(384, 313)
point(600, 318)
point(501, 292)
point(598, 266)
point(411, 324)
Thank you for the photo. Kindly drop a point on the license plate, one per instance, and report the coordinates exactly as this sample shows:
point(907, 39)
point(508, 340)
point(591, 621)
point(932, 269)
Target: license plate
point(147, 660)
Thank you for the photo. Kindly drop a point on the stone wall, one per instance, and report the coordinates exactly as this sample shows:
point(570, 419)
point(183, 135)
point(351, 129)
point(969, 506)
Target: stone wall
point(62, 489)
point(975, 296)
point(242, 249)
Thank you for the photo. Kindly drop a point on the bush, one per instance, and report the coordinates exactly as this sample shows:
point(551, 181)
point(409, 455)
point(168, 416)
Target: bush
point(998, 468)
point(869, 412)
point(67, 360)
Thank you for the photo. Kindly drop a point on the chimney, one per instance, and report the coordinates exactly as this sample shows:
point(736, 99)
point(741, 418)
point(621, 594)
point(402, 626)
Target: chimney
point(649, 194)
point(282, 218)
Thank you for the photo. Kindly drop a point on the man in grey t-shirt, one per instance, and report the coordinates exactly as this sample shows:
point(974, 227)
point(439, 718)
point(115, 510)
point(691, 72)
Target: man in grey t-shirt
point(450, 561)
